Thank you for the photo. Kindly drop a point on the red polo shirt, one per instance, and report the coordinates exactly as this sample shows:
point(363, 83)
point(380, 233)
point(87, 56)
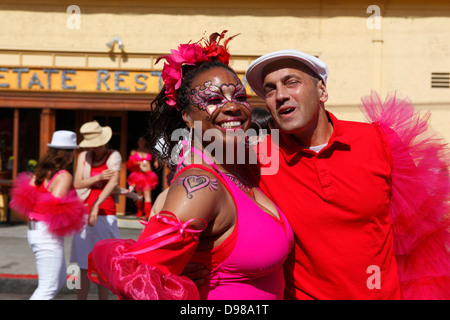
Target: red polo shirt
point(337, 203)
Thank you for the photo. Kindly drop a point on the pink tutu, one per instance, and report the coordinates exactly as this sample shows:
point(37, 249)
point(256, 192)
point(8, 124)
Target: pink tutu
point(419, 209)
point(143, 180)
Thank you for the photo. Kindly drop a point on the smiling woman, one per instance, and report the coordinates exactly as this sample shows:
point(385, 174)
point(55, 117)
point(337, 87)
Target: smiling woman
point(198, 220)
point(220, 103)
point(210, 97)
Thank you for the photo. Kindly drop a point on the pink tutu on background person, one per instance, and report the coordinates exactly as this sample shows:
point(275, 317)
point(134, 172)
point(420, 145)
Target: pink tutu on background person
point(140, 163)
point(48, 201)
point(143, 180)
point(419, 209)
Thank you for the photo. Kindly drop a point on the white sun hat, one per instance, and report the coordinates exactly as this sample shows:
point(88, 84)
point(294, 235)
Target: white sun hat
point(255, 70)
point(64, 139)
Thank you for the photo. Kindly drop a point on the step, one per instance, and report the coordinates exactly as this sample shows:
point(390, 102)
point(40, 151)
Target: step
point(129, 222)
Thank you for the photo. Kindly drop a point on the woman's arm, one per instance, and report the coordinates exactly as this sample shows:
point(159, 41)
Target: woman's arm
point(80, 182)
point(198, 194)
point(159, 203)
point(197, 199)
point(107, 190)
point(168, 242)
point(155, 163)
point(132, 163)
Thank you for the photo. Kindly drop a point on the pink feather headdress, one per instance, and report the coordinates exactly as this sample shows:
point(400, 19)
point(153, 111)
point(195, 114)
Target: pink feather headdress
point(191, 54)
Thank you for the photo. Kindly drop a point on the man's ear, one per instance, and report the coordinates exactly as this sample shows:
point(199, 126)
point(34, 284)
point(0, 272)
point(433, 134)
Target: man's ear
point(187, 118)
point(323, 93)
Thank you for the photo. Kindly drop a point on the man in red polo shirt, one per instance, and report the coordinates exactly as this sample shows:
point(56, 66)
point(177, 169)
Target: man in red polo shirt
point(334, 184)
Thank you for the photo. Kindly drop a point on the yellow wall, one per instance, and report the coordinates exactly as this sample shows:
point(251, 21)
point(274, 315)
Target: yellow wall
point(413, 40)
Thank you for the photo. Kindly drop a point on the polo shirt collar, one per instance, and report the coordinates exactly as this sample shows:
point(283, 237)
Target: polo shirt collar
point(290, 147)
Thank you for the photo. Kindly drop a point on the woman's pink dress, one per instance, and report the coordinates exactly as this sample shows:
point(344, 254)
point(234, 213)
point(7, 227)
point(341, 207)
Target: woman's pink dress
point(142, 180)
point(247, 265)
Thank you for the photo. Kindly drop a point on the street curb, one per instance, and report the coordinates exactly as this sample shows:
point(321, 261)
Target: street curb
point(26, 285)
point(18, 285)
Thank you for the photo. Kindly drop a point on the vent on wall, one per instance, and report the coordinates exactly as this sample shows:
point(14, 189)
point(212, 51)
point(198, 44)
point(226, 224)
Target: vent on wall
point(440, 79)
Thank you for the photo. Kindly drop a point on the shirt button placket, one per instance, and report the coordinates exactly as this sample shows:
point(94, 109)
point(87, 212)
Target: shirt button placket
point(324, 177)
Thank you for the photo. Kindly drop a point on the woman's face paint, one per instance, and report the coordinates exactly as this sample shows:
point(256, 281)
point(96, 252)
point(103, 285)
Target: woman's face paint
point(219, 101)
point(210, 97)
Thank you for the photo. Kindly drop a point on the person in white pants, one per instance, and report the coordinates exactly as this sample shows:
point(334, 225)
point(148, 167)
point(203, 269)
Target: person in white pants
point(51, 205)
point(50, 261)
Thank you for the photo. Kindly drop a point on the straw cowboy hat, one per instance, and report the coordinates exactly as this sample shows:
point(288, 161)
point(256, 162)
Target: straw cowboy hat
point(64, 139)
point(94, 135)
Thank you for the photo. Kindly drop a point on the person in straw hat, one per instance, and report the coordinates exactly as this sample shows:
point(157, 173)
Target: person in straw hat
point(96, 180)
point(49, 202)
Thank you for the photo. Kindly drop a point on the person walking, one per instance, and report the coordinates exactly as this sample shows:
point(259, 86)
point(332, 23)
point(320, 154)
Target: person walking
point(49, 202)
point(96, 181)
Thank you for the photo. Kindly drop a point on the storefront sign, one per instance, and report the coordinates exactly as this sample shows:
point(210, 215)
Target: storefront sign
point(79, 80)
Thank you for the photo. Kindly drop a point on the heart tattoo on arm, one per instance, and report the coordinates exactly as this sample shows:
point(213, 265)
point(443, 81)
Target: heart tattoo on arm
point(197, 182)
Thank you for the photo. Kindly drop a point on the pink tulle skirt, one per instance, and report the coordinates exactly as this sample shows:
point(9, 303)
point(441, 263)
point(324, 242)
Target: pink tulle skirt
point(419, 210)
point(143, 180)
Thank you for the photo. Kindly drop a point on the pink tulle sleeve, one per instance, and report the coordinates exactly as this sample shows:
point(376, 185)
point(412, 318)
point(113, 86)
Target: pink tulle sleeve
point(64, 216)
point(419, 209)
point(147, 269)
point(23, 195)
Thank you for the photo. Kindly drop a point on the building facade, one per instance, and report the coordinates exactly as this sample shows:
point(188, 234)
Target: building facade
point(62, 64)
